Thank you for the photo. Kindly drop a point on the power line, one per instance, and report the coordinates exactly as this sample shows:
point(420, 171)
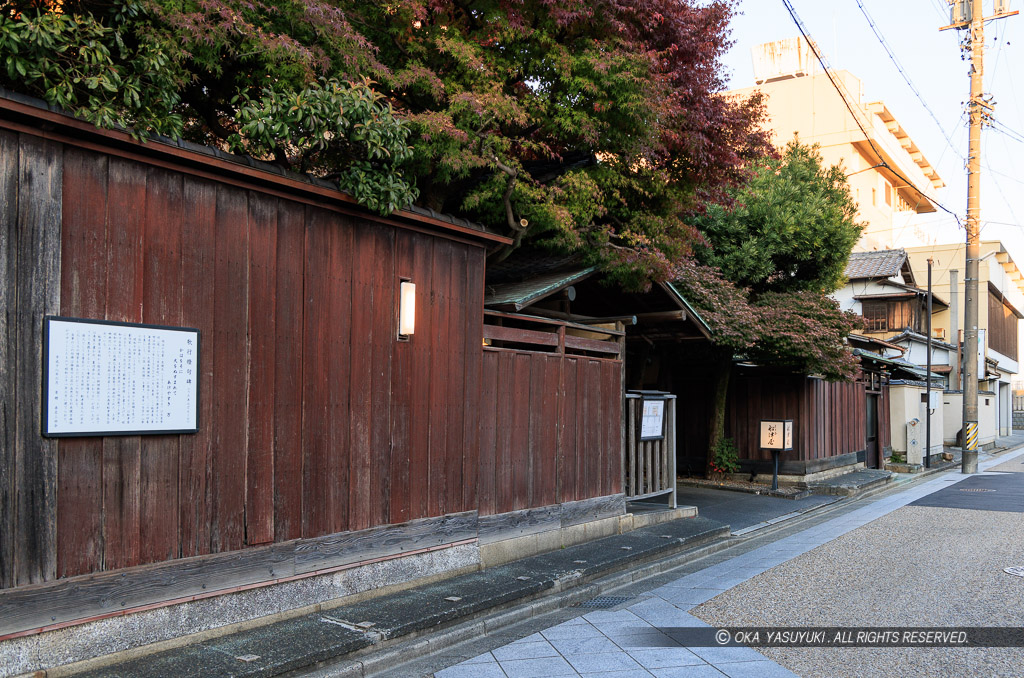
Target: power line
point(1007, 131)
point(849, 106)
point(906, 77)
point(913, 88)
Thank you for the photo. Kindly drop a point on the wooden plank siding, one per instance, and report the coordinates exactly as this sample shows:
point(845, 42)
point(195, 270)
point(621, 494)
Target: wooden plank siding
point(828, 417)
point(31, 177)
point(554, 433)
point(83, 294)
point(1002, 327)
point(314, 419)
point(8, 351)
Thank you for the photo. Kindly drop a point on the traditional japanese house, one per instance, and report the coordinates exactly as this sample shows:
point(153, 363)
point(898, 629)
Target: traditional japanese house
point(882, 288)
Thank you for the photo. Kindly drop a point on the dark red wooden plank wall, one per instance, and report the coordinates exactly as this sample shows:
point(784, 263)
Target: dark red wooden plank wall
point(549, 430)
point(828, 417)
point(83, 293)
point(314, 418)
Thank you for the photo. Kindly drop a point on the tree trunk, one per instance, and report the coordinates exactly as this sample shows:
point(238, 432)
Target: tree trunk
point(720, 390)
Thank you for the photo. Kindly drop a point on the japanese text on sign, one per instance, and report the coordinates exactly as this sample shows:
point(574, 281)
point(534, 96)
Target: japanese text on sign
point(110, 378)
point(776, 434)
point(652, 419)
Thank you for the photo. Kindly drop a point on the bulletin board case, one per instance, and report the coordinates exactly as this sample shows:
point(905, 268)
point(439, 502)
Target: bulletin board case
point(109, 378)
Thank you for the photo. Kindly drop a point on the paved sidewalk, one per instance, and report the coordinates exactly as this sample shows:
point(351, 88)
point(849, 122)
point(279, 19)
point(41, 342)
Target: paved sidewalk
point(744, 512)
point(629, 642)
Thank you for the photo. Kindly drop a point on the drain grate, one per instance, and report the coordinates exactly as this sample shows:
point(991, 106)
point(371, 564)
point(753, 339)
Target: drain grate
point(603, 602)
point(976, 489)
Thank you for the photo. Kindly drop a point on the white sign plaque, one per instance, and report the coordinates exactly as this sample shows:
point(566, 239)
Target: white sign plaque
point(777, 434)
point(652, 419)
point(110, 378)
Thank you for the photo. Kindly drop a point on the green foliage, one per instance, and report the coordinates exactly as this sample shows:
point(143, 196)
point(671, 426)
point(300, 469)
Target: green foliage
point(792, 226)
point(598, 123)
point(771, 259)
point(247, 76)
point(332, 127)
point(87, 67)
point(724, 458)
point(587, 126)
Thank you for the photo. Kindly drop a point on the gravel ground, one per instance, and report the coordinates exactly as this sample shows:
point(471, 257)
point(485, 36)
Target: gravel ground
point(1012, 466)
point(917, 566)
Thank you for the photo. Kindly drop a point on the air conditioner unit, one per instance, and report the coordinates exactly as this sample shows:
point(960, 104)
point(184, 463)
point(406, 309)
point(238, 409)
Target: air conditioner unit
point(939, 333)
point(1001, 6)
point(960, 11)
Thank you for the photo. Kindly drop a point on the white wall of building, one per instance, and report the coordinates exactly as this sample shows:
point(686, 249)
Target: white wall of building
point(953, 412)
point(905, 404)
point(858, 288)
point(987, 408)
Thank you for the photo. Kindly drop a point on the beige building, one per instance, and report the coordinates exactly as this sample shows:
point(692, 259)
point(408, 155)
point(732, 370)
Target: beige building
point(802, 101)
point(1001, 306)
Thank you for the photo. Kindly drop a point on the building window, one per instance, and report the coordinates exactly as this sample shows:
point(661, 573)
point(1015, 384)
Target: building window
point(888, 193)
point(874, 197)
point(875, 316)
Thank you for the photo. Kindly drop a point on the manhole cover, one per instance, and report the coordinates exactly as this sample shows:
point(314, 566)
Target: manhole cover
point(603, 602)
point(976, 489)
point(1017, 570)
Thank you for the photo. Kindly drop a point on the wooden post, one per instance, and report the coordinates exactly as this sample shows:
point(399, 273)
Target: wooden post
point(36, 242)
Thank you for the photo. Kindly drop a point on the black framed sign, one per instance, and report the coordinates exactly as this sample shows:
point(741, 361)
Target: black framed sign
point(652, 418)
point(102, 377)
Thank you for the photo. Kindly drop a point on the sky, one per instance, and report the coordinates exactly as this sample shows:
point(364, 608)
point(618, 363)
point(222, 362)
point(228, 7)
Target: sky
point(931, 59)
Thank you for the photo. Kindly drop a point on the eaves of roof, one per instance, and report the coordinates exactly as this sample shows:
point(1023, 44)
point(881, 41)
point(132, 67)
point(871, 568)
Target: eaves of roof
point(519, 295)
point(34, 116)
point(905, 365)
point(702, 324)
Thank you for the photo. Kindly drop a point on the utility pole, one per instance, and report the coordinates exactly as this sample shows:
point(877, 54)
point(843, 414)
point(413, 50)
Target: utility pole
point(928, 379)
point(969, 15)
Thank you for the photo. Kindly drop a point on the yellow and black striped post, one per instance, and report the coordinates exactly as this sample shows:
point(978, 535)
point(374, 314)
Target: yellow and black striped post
point(971, 438)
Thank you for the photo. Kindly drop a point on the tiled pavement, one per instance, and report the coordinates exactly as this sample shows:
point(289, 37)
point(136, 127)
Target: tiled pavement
point(630, 643)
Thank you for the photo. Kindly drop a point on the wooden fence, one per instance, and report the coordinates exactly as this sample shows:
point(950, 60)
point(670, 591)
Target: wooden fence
point(829, 417)
point(550, 419)
point(650, 465)
point(314, 419)
point(319, 429)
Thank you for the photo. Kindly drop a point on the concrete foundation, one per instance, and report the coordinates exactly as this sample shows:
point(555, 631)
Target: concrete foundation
point(104, 641)
point(507, 550)
point(800, 480)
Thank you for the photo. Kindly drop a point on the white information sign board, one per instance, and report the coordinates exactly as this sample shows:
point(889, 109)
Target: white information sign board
point(652, 420)
point(777, 434)
point(109, 378)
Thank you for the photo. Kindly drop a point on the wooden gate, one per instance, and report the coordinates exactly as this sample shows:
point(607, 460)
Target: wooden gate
point(650, 459)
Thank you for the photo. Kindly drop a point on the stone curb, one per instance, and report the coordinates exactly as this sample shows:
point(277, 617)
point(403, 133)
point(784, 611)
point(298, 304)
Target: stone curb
point(391, 657)
point(369, 628)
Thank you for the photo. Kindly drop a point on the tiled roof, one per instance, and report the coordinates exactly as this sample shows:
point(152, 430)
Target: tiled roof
point(878, 264)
